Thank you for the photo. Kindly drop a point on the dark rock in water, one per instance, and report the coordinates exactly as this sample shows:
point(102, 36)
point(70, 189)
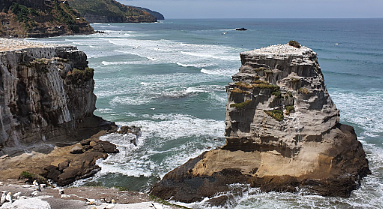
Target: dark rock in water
point(282, 134)
point(81, 166)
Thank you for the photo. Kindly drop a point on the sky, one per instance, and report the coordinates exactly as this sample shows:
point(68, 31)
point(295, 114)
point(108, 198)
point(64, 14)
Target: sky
point(191, 9)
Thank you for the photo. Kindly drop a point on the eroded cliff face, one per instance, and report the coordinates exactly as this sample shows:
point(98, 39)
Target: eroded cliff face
point(278, 99)
point(46, 95)
point(283, 134)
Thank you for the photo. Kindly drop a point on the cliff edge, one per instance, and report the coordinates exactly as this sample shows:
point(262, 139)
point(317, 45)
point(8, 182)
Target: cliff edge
point(282, 134)
point(46, 96)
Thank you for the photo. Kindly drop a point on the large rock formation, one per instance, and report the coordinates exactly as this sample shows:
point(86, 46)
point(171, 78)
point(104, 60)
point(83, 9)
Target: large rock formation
point(283, 133)
point(46, 96)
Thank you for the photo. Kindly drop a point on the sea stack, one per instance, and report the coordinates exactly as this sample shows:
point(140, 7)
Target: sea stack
point(282, 134)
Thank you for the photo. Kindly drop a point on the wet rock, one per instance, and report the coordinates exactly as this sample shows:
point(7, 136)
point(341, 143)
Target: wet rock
point(63, 165)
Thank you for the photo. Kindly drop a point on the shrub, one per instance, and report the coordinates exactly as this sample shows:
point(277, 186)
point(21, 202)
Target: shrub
point(289, 109)
point(80, 75)
point(32, 176)
point(241, 105)
point(239, 91)
point(294, 44)
point(288, 94)
point(244, 85)
point(276, 114)
point(277, 94)
point(20, 11)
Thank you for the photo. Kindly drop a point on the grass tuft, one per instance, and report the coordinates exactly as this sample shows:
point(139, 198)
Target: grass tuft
point(241, 105)
point(289, 109)
point(294, 44)
point(276, 114)
point(239, 91)
point(32, 176)
point(303, 90)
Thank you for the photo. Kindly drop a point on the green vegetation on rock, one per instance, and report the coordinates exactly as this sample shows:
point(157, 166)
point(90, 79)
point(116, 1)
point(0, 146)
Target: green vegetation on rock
point(276, 114)
point(241, 105)
point(113, 10)
point(78, 76)
point(41, 18)
point(289, 109)
point(239, 91)
point(303, 90)
point(294, 44)
point(32, 176)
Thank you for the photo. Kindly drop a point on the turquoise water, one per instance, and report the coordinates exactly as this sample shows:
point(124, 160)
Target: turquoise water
point(169, 78)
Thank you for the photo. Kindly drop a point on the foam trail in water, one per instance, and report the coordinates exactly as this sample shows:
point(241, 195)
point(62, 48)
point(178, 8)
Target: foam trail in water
point(161, 130)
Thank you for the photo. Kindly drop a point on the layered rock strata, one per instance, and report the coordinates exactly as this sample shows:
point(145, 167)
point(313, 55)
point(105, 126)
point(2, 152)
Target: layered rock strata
point(46, 96)
point(282, 134)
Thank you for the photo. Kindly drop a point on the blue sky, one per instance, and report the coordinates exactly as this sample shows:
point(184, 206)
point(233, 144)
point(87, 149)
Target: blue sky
point(263, 9)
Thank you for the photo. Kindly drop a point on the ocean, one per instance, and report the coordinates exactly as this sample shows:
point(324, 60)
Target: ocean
point(169, 79)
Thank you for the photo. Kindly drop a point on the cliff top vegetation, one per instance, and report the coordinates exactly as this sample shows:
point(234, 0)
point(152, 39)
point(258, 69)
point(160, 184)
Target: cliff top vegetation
point(109, 8)
point(40, 18)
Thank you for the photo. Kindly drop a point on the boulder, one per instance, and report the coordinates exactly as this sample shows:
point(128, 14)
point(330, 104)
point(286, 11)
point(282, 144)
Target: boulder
point(282, 134)
point(76, 150)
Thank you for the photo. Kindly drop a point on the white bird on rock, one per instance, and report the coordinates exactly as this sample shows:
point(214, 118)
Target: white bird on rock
point(9, 197)
point(35, 193)
point(35, 183)
point(17, 195)
point(3, 197)
point(90, 201)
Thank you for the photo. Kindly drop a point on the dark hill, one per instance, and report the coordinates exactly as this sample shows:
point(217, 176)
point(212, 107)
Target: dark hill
point(40, 18)
point(110, 11)
point(156, 14)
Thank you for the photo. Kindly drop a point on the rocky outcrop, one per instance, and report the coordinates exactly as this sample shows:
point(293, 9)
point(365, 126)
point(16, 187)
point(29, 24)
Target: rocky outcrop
point(156, 14)
point(282, 131)
point(46, 96)
point(80, 162)
point(63, 165)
